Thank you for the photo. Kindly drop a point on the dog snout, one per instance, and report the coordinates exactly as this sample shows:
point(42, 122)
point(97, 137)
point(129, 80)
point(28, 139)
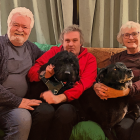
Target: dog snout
point(130, 73)
point(67, 72)
point(129, 70)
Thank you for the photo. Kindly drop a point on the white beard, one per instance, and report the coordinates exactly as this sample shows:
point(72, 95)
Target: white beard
point(18, 38)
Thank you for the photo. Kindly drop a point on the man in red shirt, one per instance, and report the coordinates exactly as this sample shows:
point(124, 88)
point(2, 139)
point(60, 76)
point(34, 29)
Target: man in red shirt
point(65, 115)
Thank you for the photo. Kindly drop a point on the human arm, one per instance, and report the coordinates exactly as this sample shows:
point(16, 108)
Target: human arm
point(33, 73)
point(105, 92)
point(135, 89)
point(9, 99)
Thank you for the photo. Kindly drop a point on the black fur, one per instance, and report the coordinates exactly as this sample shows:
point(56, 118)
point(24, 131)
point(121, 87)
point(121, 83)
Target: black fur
point(108, 112)
point(66, 70)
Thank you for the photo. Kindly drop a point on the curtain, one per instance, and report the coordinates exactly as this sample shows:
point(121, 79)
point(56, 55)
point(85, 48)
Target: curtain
point(100, 20)
point(48, 15)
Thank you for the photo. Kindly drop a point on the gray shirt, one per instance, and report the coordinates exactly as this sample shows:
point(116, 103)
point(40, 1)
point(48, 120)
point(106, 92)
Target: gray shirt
point(7, 98)
point(19, 63)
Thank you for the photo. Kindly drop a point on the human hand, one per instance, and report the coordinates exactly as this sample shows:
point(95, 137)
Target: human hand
point(100, 90)
point(50, 98)
point(27, 103)
point(49, 71)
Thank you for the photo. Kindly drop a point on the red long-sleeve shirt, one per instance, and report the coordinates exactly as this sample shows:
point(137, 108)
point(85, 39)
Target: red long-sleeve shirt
point(87, 73)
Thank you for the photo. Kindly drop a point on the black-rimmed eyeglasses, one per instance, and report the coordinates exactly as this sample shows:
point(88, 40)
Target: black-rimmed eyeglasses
point(127, 35)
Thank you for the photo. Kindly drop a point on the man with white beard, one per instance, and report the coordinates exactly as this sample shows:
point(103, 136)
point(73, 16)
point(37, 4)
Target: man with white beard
point(17, 55)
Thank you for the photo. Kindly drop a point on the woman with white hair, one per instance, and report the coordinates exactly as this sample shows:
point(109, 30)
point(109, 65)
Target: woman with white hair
point(128, 36)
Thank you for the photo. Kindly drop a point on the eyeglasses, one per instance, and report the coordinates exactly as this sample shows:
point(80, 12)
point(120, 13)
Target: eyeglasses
point(17, 26)
point(127, 35)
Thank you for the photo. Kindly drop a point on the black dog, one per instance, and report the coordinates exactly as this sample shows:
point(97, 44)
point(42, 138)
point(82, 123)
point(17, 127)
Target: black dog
point(66, 70)
point(108, 112)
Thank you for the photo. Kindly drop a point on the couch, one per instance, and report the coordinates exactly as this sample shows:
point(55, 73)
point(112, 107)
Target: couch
point(88, 130)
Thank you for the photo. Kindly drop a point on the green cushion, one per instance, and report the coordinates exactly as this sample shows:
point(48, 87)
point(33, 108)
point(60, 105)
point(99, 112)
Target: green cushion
point(45, 47)
point(87, 130)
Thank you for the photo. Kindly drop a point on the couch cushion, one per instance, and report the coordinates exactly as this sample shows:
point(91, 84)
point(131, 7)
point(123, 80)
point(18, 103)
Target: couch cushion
point(45, 47)
point(103, 55)
point(87, 130)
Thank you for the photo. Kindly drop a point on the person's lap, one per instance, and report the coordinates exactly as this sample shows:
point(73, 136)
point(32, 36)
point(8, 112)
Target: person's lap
point(65, 118)
point(53, 122)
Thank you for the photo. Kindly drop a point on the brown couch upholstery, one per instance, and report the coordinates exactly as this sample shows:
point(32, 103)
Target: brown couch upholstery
point(103, 54)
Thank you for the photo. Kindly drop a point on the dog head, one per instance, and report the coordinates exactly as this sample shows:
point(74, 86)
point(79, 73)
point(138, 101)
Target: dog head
point(66, 66)
point(116, 75)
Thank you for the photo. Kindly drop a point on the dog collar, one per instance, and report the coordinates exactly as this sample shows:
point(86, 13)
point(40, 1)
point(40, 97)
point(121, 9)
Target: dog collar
point(52, 83)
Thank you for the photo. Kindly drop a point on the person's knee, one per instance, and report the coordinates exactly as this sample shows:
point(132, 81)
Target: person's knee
point(44, 110)
point(66, 113)
point(18, 125)
point(138, 120)
point(23, 118)
point(124, 128)
point(135, 130)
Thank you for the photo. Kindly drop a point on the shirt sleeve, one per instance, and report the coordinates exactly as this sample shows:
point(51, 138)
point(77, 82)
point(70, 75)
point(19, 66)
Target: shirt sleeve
point(135, 88)
point(8, 99)
point(87, 77)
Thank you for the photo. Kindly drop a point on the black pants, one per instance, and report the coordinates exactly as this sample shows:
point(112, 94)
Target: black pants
point(128, 129)
point(53, 122)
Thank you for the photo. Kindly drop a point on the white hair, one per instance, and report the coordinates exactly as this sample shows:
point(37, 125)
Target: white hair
point(21, 11)
point(129, 24)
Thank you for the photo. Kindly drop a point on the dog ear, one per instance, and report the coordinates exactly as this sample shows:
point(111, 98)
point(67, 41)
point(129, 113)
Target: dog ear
point(101, 74)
